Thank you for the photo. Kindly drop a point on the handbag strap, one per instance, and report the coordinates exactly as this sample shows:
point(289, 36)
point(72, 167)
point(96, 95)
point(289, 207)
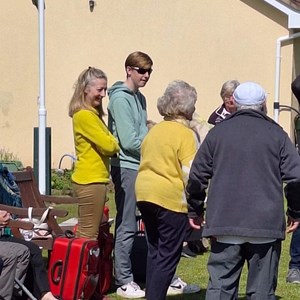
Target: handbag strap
point(30, 214)
point(43, 218)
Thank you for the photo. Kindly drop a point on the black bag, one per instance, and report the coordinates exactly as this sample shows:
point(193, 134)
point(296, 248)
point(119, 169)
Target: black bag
point(139, 257)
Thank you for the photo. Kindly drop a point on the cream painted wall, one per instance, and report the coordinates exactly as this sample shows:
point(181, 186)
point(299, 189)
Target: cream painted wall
point(203, 42)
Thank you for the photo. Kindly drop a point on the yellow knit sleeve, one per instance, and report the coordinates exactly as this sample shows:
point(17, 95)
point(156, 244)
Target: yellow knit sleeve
point(89, 125)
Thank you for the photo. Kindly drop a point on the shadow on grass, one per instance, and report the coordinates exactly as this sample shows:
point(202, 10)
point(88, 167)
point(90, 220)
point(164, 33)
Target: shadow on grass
point(244, 297)
point(196, 296)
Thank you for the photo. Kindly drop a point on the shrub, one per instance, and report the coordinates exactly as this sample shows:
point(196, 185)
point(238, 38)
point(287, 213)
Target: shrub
point(61, 181)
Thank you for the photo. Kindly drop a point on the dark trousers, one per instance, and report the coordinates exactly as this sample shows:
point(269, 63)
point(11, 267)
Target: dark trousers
point(165, 231)
point(36, 279)
point(295, 250)
point(225, 266)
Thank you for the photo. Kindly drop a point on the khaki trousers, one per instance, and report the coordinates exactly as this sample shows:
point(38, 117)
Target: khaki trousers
point(92, 198)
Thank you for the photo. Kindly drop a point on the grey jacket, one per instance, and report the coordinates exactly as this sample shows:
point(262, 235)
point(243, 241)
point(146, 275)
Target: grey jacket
point(245, 160)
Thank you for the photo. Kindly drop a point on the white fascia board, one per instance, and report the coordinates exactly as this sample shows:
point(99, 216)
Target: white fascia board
point(293, 17)
point(294, 20)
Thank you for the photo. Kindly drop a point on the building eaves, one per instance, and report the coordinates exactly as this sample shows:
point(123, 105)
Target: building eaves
point(294, 4)
point(289, 7)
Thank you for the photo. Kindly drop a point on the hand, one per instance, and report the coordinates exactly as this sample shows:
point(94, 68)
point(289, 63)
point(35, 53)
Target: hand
point(196, 223)
point(291, 225)
point(150, 124)
point(4, 218)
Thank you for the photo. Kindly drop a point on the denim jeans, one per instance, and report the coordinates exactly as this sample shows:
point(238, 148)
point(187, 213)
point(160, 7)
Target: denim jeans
point(295, 250)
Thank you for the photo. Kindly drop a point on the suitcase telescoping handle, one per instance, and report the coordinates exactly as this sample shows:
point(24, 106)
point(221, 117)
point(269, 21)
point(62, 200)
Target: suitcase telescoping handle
point(56, 269)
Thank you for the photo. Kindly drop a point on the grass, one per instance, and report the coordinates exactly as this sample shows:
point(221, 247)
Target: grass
point(193, 270)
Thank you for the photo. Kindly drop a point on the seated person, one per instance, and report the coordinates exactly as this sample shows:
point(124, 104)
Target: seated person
point(15, 258)
point(36, 279)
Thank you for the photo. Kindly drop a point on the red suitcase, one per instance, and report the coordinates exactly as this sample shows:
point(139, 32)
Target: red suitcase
point(105, 266)
point(73, 268)
point(106, 244)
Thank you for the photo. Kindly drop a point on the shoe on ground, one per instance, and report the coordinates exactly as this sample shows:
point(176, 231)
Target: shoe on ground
point(178, 287)
point(293, 276)
point(199, 246)
point(130, 290)
point(187, 252)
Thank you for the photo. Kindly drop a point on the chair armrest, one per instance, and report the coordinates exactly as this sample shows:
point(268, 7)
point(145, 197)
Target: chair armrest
point(20, 224)
point(58, 212)
point(19, 211)
point(59, 199)
point(36, 212)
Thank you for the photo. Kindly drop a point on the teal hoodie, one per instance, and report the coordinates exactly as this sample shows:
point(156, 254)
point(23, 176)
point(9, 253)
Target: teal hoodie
point(127, 120)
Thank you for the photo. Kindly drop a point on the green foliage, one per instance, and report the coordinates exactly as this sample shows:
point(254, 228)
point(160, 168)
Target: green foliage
point(61, 181)
point(6, 155)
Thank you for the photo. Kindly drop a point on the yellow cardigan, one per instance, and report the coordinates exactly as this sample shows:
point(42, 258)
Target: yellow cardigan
point(94, 144)
point(166, 158)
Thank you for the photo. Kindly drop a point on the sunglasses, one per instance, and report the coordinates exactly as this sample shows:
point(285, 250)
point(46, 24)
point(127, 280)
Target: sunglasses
point(142, 71)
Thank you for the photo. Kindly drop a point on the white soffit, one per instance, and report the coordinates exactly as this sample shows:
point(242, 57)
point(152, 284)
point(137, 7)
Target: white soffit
point(293, 15)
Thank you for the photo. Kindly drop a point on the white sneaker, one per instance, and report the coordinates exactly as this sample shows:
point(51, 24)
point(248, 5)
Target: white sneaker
point(178, 286)
point(130, 290)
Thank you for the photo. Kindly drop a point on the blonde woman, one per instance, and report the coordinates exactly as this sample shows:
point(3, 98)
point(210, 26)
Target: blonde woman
point(94, 145)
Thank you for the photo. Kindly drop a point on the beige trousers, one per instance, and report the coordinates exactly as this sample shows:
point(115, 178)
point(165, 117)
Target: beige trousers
point(92, 198)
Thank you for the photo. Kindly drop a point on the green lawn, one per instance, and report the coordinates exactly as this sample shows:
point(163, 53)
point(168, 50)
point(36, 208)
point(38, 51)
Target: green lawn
point(193, 270)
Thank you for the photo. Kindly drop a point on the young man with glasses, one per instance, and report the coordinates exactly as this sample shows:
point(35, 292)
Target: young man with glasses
point(127, 120)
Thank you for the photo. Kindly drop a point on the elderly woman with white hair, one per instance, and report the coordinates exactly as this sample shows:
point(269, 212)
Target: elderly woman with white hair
point(167, 154)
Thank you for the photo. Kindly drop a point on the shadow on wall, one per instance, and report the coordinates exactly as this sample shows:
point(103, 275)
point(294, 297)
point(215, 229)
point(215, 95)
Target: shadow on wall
point(268, 11)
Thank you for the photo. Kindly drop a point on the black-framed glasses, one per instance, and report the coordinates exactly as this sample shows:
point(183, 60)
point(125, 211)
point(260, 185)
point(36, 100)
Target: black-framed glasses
point(142, 71)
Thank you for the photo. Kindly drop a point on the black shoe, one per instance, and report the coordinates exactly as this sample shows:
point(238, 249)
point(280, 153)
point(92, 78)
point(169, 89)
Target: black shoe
point(186, 252)
point(199, 246)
